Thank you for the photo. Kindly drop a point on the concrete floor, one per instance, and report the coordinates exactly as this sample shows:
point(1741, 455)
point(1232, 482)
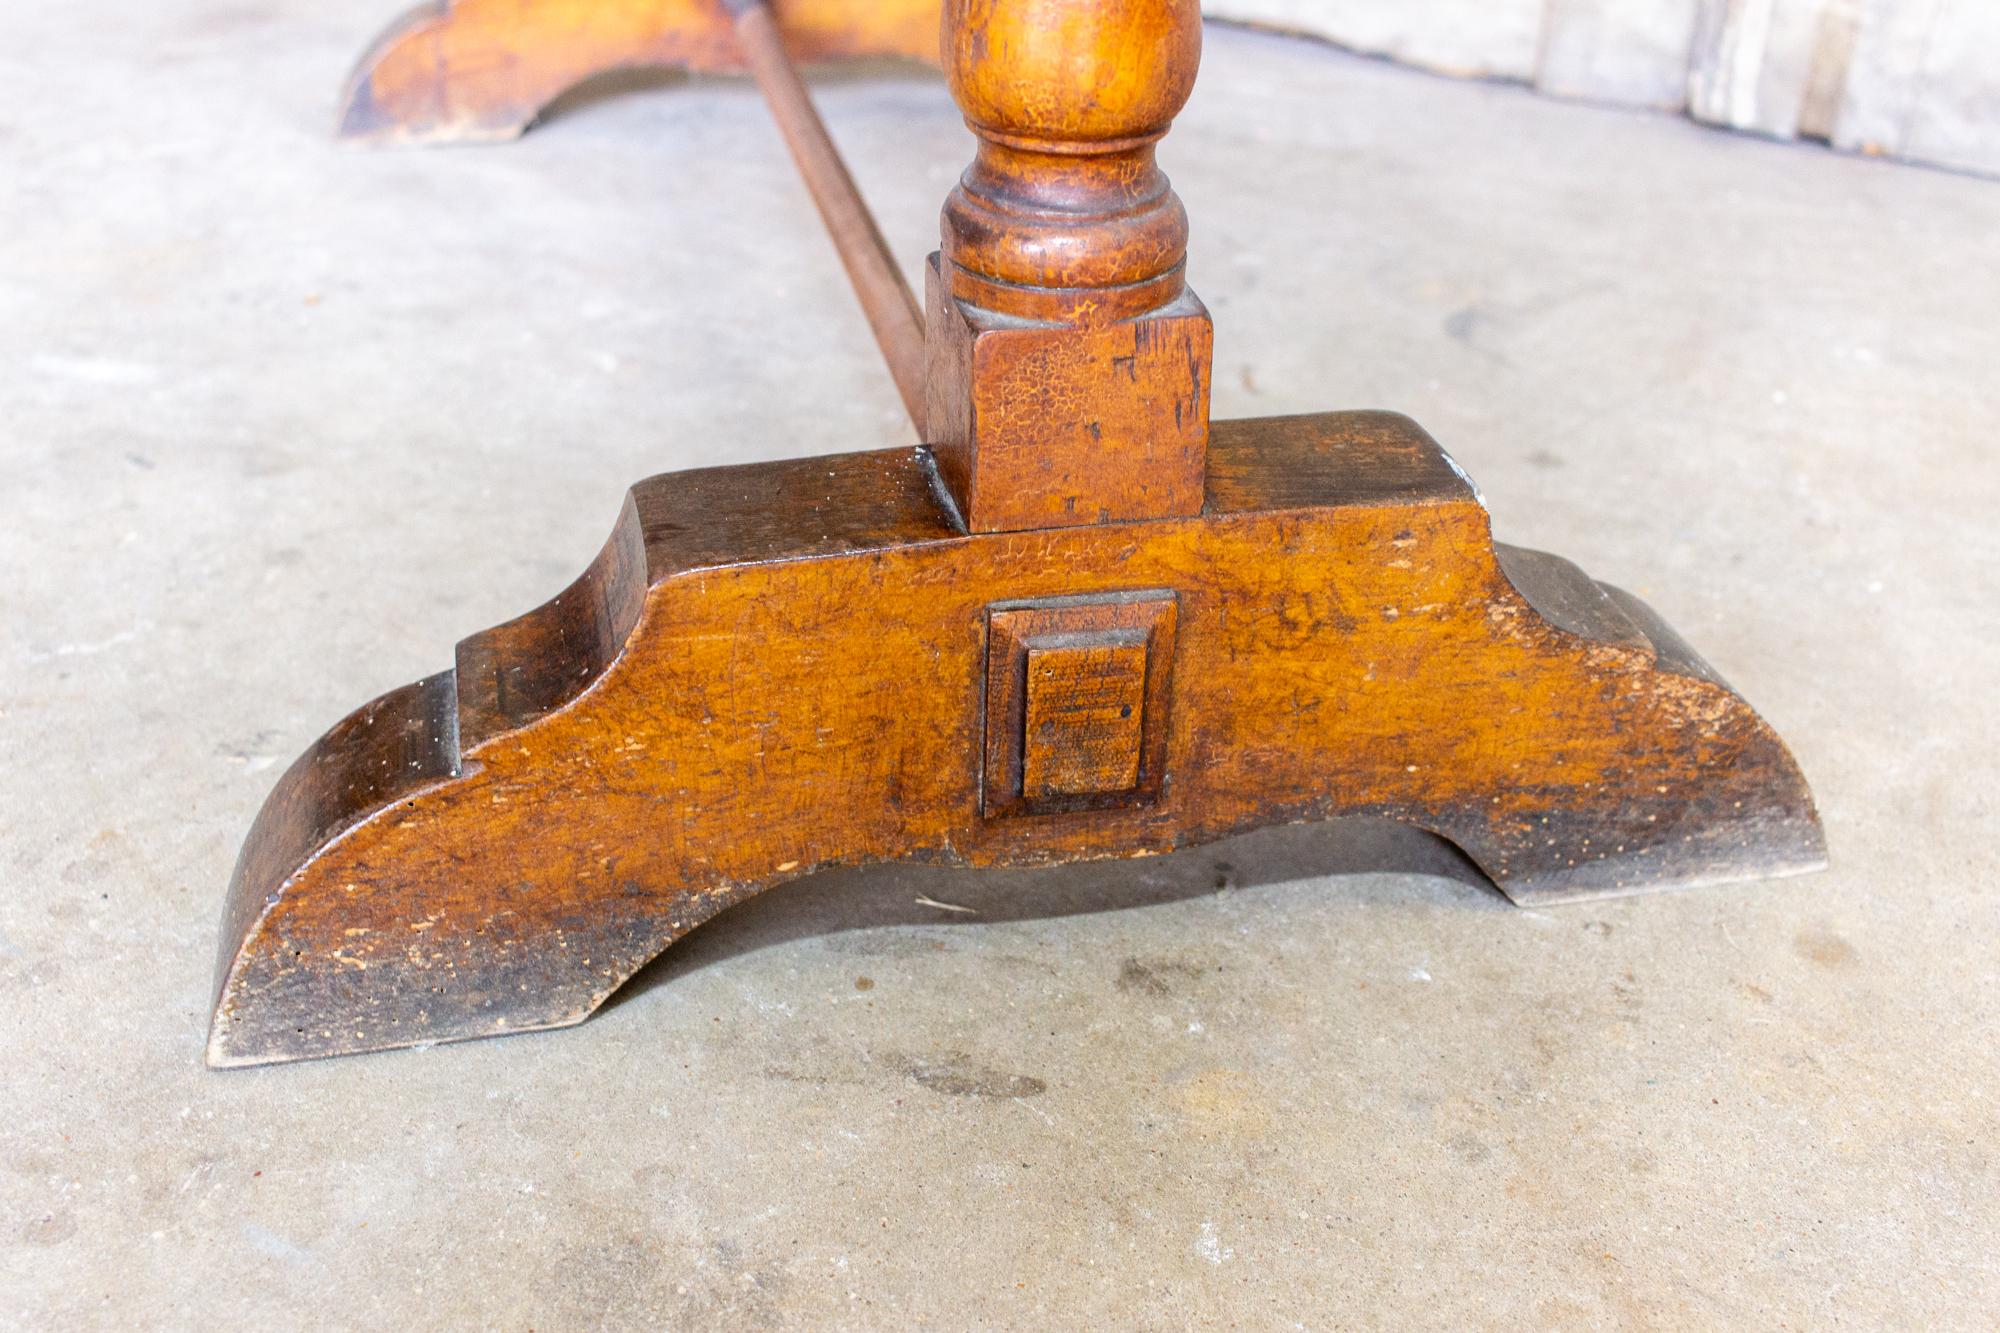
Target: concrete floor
point(283, 421)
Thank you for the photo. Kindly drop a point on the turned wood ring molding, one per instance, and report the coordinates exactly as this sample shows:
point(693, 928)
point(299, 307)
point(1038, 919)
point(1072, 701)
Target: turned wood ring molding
point(1064, 212)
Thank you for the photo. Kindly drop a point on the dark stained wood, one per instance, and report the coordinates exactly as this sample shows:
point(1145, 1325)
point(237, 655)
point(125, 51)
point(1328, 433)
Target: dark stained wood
point(806, 685)
point(386, 750)
point(516, 673)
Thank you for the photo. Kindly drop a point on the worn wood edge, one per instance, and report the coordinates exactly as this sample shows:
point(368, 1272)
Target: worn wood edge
point(886, 500)
point(514, 674)
point(524, 66)
point(1777, 846)
point(361, 118)
point(390, 749)
point(1568, 598)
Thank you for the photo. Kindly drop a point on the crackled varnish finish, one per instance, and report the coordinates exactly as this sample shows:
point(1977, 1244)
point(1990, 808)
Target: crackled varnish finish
point(1083, 623)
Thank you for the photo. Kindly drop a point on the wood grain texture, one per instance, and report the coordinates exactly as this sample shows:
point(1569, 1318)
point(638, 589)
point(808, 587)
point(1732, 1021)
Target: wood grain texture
point(1079, 624)
point(804, 685)
point(1068, 362)
point(1045, 424)
point(1084, 719)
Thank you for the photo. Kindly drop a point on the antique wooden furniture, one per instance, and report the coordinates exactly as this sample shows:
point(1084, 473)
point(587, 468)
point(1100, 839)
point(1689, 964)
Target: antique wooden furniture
point(1079, 622)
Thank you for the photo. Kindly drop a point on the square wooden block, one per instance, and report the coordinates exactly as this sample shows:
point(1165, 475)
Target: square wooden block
point(1085, 710)
point(1076, 702)
point(1054, 425)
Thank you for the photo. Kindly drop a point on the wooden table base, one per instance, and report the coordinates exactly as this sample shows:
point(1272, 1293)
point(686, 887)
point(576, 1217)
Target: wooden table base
point(1079, 622)
point(783, 667)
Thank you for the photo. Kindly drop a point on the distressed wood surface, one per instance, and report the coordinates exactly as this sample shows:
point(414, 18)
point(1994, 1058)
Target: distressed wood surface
point(783, 667)
point(1078, 691)
point(1069, 363)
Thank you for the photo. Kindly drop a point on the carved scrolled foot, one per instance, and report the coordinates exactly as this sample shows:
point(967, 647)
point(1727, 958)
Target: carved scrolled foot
point(470, 70)
point(782, 667)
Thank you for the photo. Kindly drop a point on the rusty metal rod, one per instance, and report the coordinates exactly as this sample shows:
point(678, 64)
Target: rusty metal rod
point(886, 298)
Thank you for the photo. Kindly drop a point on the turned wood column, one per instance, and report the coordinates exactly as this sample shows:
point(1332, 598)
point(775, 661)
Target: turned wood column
point(1068, 363)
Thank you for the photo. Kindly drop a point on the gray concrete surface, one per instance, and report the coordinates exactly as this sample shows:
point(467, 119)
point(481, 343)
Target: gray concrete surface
point(279, 422)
